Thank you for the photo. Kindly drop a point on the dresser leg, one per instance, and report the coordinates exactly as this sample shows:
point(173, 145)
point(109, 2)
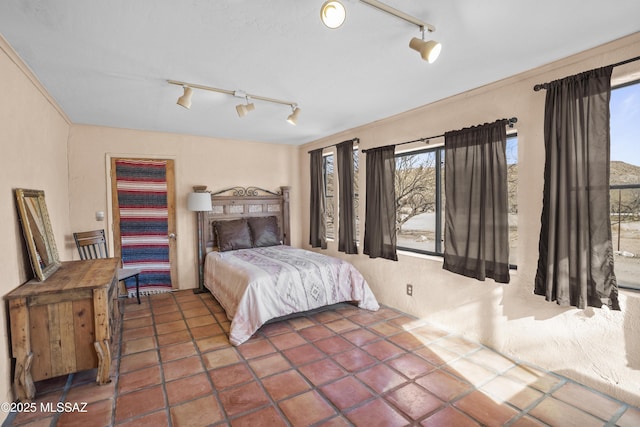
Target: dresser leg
point(24, 388)
point(104, 361)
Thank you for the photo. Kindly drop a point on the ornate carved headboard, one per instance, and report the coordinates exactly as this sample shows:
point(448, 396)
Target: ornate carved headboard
point(246, 202)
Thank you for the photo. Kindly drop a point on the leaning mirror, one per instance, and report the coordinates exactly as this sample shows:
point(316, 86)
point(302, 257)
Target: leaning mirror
point(37, 232)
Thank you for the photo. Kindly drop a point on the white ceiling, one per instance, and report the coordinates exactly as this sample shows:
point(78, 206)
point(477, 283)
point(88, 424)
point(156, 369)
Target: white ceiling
point(107, 62)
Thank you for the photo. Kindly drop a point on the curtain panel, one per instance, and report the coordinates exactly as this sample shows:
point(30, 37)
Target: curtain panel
point(575, 263)
point(317, 225)
point(380, 215)
point(346, 208)
point(476, 242)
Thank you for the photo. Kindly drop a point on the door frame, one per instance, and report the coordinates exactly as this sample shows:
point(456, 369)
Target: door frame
point(113, 234)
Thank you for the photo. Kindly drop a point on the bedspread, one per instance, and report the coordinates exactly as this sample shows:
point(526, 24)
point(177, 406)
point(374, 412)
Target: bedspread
point(260, 284)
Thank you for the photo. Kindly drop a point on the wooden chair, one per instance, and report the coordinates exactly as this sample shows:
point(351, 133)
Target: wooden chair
point(93, 244)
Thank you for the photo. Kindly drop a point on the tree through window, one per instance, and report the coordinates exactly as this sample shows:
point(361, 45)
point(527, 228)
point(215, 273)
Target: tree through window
point(329, 186)
point(420, 199)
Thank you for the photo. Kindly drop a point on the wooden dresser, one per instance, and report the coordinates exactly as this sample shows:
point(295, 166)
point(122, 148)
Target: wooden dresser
point(65, 324)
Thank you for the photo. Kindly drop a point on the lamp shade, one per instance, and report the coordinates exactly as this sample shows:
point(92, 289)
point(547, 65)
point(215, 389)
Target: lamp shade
point(429, 51)
point(244, 109)
point(293, 117)
point(199, 202)
point(241, 110)
point(333, 14)
point(185, 99)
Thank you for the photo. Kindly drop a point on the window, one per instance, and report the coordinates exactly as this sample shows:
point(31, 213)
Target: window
point(420, 199)
point(512, 189)
point(329, 182)
point(329, 191)
point(625, 183)
point(356, 192)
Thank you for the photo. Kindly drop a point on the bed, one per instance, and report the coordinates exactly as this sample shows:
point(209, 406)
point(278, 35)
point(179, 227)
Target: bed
point(255, 274)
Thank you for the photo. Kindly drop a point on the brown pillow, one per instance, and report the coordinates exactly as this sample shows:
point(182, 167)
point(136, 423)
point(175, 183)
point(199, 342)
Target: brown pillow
point(233, 234)
point(264, 231)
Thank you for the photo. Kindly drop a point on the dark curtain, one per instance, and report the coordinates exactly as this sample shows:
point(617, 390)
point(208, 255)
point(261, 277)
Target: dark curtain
point(476, 242)
point(575, 264)
point(317, 226)
point(380, 215)
point(346, 214)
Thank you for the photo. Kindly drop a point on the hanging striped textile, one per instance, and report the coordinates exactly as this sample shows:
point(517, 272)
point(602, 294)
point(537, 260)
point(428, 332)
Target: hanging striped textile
point(142, 199)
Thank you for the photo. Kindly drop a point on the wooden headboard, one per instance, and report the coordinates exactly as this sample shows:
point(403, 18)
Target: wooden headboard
point(246, 202)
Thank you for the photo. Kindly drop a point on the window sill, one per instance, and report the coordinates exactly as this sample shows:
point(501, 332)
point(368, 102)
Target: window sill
point(629, 288)
point(440, 259)
point(421, 256)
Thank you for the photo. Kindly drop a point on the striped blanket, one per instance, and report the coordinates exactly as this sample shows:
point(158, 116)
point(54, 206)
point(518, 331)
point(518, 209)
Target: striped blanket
point(142, 198)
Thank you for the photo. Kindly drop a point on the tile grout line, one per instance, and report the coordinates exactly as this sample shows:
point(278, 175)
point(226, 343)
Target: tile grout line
point(525, 411)
point(349, 374)
point(117, 391)
point(200, 354)
point(122, 309)
point(167, 408)
point(353, 374)
point(380, 338)
point(473, 387)
point(617, 415)
point(279, 351)
point(381, 334)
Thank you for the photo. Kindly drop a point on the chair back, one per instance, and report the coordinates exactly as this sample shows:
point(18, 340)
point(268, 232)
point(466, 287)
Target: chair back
point(91, 244)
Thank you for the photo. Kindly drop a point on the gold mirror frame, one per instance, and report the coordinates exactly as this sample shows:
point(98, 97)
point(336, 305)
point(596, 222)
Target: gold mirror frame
point(37, 231)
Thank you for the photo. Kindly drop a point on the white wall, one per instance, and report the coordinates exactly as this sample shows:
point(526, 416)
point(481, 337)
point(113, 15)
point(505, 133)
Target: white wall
point(41, 150)
point(33, 137)
point(594, 346)
point(216, 163)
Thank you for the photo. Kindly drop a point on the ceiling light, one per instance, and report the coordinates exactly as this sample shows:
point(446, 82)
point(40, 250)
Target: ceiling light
point(333, 14)
point(293, 117)
point(241, 109)
point(429, 50)
point(185, 99)
point(244, 109)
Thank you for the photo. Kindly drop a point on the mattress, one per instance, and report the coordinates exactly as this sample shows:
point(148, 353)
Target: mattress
point(259, 284)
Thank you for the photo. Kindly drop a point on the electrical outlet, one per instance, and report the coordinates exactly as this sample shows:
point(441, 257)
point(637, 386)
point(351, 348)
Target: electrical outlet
point(409, 289)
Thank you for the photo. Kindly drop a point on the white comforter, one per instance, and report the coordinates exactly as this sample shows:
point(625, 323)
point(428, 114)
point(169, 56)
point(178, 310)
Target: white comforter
point(259, 284)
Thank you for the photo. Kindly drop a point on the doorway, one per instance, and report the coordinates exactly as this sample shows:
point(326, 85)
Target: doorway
point(143, 205)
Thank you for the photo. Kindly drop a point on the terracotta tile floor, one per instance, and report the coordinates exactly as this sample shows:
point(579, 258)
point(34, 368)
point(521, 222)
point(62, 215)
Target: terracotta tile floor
point(337, 367)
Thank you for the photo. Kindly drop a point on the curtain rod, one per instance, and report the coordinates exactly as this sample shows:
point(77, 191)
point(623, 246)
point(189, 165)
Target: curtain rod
point(510, 123)
point(354, 140)
point(540, 86)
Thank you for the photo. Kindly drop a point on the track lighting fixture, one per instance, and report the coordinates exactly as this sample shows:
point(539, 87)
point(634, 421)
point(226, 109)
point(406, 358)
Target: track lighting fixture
point(293, 117)
point(241, 109)
point(333, 13)
point(244, 109)
point(185, 99)
point(429, 50)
